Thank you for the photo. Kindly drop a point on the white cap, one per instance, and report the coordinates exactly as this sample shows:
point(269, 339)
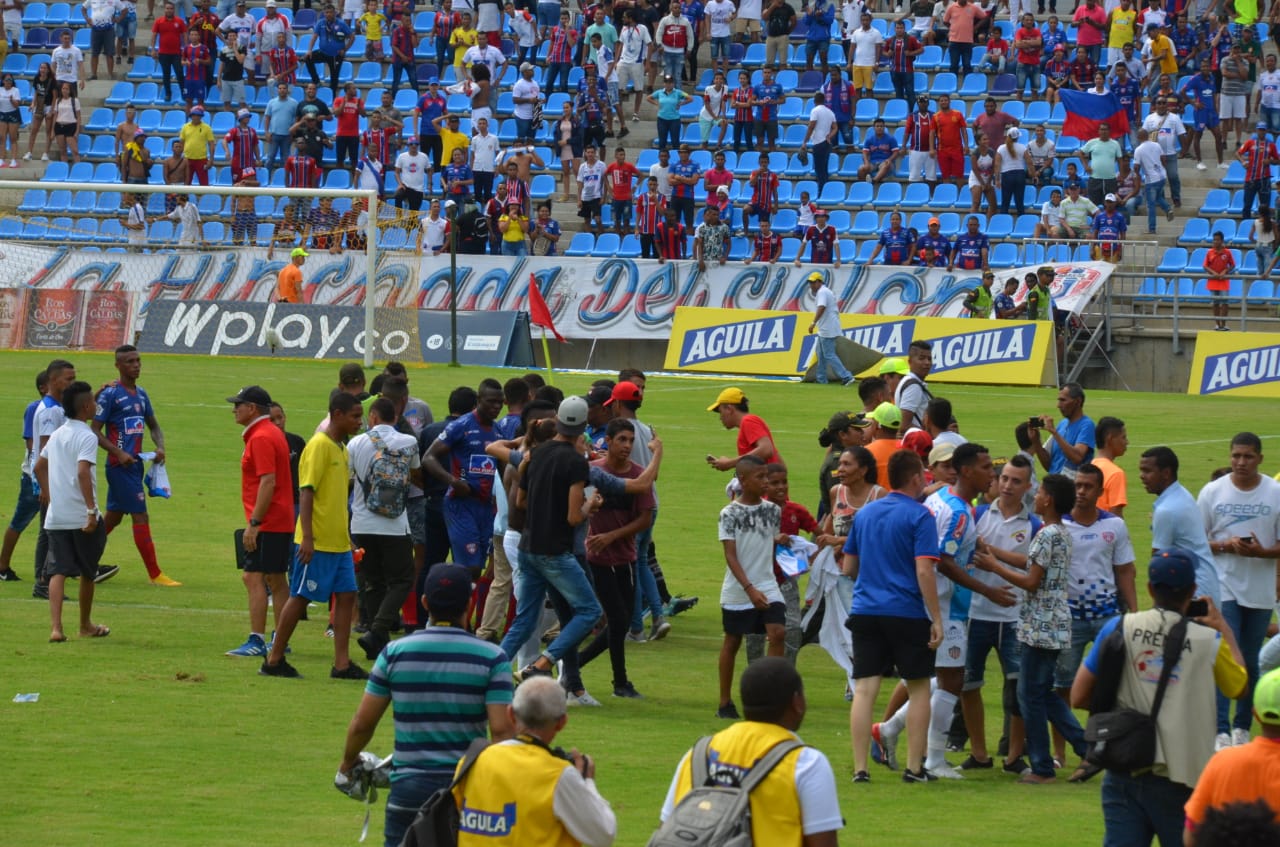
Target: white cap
point(724, 189)
point(1111, 198)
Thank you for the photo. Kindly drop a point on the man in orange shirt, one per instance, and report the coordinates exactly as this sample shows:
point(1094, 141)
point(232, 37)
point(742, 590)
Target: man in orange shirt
point(949, 140)
point(1113, 441)
point(289, 280)
point(884, 439)
point(1219, 262)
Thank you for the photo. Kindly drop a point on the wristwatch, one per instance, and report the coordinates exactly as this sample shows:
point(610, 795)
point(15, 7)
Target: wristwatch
point(254, 522)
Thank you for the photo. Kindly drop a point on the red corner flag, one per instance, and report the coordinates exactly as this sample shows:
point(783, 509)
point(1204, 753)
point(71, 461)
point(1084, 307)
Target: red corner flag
point(539, 314)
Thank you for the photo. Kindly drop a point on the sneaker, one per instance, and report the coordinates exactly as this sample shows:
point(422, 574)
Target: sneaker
point(628, 691)
point(26, 157)
point(972, 764)
point(9, 576)
point(635, 119)
point(288, 651)
point(1221, 741)
point(638, 637)
point(946, 771)
point(659, 630)
point(1200, 166)
point(254, 646)
point(40, 591)
point(165, 581)
point(531, 670)
point(44, 157)
point(728, 712)
point(1239, 737)
point(1169, 215)
point(583, 699)
point(888, 743)
point(351, 671)
point(13, 163)
point(680, 604)
point(921, 775)
point(1222, 166)
point(372, 644)
point(953, 747)
point(1017, 767)
point(624, 132)
point(328, 631)
point(105, 572)
point(862, 776)
point(283, 669)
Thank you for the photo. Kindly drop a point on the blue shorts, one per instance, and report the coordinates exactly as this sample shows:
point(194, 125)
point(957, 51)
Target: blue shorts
point(1204, 119)
point(28, 504)
point(720, 47)
point(985, 636)
point(325, 575)
point(125, 492)
point(193, 90)
point(549, 15)
point(470, 523)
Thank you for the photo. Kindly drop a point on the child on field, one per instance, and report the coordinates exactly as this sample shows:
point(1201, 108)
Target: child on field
point(1218, 263)
point(1044, 629)
point(750, 600)
point(794, 520)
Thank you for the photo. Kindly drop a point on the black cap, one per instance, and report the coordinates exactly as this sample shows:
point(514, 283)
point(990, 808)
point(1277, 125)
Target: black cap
point(599, 396)
point(448, 587)
point(255, 394)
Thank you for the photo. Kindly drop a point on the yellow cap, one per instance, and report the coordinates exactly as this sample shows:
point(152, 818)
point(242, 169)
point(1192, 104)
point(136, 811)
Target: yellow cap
point(732, 396)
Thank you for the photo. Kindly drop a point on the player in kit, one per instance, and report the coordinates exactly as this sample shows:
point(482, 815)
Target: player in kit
point(124, 412)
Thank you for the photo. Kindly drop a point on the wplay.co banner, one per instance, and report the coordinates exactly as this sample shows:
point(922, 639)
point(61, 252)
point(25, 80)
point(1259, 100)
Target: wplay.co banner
point(1241, 364)
point(778, 344)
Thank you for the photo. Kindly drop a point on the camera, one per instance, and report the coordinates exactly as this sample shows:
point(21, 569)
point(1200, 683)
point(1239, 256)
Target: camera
point(1197, 608)
point(1034, 422)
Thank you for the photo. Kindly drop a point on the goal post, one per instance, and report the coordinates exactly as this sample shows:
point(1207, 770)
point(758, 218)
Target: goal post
point(258, 222)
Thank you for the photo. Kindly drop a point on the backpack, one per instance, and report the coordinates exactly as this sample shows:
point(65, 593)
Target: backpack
point(387, 485)
point(713, 815)
point(437, 821)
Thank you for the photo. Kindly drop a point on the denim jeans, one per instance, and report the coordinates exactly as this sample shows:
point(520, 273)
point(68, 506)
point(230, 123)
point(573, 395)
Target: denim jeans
point(278, 150)
point(1259, 189)
point(961, 55)
point(673, 64)
point(1250, 628)
point(822, 162)
point(1013, 187)
point(1271, 116)
point(827, 358)
point(668, 133)
point(558, 70)
point(1082, 633)
point(1175, 182)
point(1025, 73)
point(538, 573)
point(1154, 194)
point(904, 85)
point(408, 793)
point(646, 583)
point(514, 248)
point(1137, 809)
point(1041, 706)
point(985, 636)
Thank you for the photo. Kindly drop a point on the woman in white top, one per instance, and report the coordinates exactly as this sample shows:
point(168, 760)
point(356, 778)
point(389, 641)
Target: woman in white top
point(66, 123)
point(1264, 239)
point(569, 141)
point(714, 100)
point(982, 183)
point(1011, 171)
point(10, 120)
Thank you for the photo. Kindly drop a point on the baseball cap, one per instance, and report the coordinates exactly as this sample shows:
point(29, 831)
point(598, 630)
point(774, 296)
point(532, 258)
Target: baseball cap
point(1266, 698)
point(571, 417)
point(732, 396)
point(525, 66)
point(841, 421)
point(1172, 567)
point(197, 110)
point(933, 221)
point(627, 391)
point(138, 132)
point(298, 251)
point(271, 4)
point(243, 113)
point(248, 173)
point(413, 139)
point(941, 453)
point(922, 96)
point(433, 80)
point(449, 203)
point(599, 396)
point(448, 586)
point(724, 189)
point(1013, 132)
point(1260, 125)
point(887, 415)
point(919, 442)
point(820, 213)
point(816, 276)
point(895, 365)
point(255, 394)
point(1110, 198)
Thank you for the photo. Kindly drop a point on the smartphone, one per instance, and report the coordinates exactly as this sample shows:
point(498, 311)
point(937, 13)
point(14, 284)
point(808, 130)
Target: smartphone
point(1033, 421)
point(588, 492)
point(1198, 608)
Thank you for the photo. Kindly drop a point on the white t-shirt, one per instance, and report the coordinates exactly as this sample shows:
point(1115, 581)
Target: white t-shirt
point(66, 63)
point(634, 41)
point(484, 152)
point(67, 448)
point(1011, 161)
point(866, 46)
point(823, 119)
point(1042, 154)
point(242, 25)
point(1231, 513)
point(1008, 534)
point(412, 169)
point(591, 178)
point(138, 215)
point(102, 13)
point(48, 417)
point(752, 528)
point(433, 231)
point(486, 55)
point(604, 64)
point(815, 789)
point(660, 176)
point(1166, 131)
point(525, 88)
point(829, 323)
point(750, 10)
point(1269, 86)
point(720, 15)
point(12, 14)
point(1096, 550)
point(360, 453)
point(187, 217)
point(1051, 214)
point(715, 98)
point(1146, 160)
point(9, 99)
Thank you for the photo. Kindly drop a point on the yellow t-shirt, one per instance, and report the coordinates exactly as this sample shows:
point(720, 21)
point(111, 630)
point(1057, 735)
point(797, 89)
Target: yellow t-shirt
point(515, 232)
point(197, 141)
point(460, 40)
point(1162, 46)
point(322, 467)
point(450, 141)
point(373, 24)
point(1122, 24)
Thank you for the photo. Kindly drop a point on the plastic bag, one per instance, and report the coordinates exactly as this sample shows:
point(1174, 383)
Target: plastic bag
point(157, 481)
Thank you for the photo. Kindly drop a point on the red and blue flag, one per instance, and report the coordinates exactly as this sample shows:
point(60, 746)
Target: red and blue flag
point(1085, 110)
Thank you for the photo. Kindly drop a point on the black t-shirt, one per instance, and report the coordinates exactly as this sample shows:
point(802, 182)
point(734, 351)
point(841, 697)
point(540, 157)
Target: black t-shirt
point(553, 469)
point(296, 444)
point(432, 487)
point(317, 107)
point(780, 20)
point(311, 138)
point(232, 63)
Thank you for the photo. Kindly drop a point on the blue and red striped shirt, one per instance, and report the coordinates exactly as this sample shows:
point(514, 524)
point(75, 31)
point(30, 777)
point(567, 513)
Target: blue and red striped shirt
point(671, 241)
point(561, 49)
point(649, 210)
point(243, 142)
point(301, 172)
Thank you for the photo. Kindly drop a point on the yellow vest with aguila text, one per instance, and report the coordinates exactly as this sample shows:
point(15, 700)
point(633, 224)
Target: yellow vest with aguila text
point(508, 798)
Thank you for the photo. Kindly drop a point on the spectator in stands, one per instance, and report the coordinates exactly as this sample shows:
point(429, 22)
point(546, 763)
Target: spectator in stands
point(996, 57)
point(668, 101)
point(1166, 128)
point(1219, 264)
point(244, 217)
point(1148, 160)
point(823, 241)
point(1200, 91)
point(591, 190)
point(330, 42)
point(1234, 71)
point(1041, 153)
point(412, 167)
point(961, 19)
point(1257, 154)
point(970, 250)
point(44, 89)
point(685, 176)
point(278, 118)
point(1109, 228)
point(1077, 213)
point(1091, 20)
point(994, 123)
point(197, 146)
point(349, 109)
point(561, 39)
point(175, 172)
point(1267, 101)
point(1057, 74)
point(1029, 43)
point(592, 105)
point(196, 61)
point(764, 193)
point(839, 97)
point(715, 103)
point(821, 129)
point(301, 170)
point(187, 217)
point(1050, 223)
point(281, 59)
point(232, 59)
point(1083, 70)
point(671, 237)
point(934, 239)
point(650, 209)
point(949, 134)
point(100, 16)
point(457, 179)
point(68, 63)
point(918, 139)
point(767, 97)
point(483, 159)
point(268, 32)
point(321, 231)
point(806, 214)
point(568, 134)
point(167, 34)
point(431, 105)
point(711, 240)
point(378, 142)
point(461, 40)
point(879, 154)
point(241, 145)
point(545, 232)
point(901, 50)
point(433, 231)
point(134, 160)
point(526, 96)
point(205, 24)
point(766, 246)
point(676, 34)
point(779, 22)
point(897, 242)
point(518, 187)
point(866, 41)
point(982, 176)
point(718, 176)
point(1012, 164)
point(309, 135)
point(1101, 156)
point(1003, 307)
point(743, 123)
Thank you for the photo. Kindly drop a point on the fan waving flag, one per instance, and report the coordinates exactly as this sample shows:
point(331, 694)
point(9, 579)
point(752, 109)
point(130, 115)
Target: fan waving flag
point(1085, 110)
point(539, 314)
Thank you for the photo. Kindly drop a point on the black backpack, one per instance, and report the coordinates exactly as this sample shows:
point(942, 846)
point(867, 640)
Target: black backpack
point(714, 815)
point(436, 824)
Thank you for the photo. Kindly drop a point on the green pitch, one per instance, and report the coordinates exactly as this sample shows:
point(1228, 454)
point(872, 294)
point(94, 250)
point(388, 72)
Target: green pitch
point(153, 736)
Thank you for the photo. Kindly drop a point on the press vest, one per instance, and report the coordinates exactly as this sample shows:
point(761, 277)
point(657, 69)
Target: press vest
point(508, 798)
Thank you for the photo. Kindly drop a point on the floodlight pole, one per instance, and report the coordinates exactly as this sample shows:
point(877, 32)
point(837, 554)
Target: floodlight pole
point(453, 286)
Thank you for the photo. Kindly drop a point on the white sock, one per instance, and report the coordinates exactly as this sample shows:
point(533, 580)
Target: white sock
point(897, 722)
point(942, 704)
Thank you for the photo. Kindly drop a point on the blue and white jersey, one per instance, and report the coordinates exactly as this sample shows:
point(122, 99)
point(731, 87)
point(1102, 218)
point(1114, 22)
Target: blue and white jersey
point(957, 538)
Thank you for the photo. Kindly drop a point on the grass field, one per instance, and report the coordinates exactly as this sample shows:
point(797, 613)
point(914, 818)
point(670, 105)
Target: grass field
point(153, 736)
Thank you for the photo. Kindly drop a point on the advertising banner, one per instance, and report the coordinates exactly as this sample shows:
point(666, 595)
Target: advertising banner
point(589, 298)
point(36, 319)
point(1240, 364)
point(778, 344)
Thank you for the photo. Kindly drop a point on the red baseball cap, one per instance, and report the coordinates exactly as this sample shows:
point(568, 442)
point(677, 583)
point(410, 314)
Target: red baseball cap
point(625, 391)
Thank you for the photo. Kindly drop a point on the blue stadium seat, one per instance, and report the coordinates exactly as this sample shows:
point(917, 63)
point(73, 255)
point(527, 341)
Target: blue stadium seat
point(974, 85)
point(86, 229)
point(629, 248)
point(1003, 85)
point(810, 82)
point(107, 203)
point(35, 229)
point(949, 224)
point(111, 231)
point(144, 68)
point(104, 147)
point(15, 64)
point(1173, 261)
point(1262, 291)
point(581, 245)
point(1227, 227)
point(883, 85)
point(606, 245)
point(1003, 255)
point(1057, 116)
point(1151, 290)
point(147, 94)
point(1025, 227)
point(172, 122)
point(784, 221)
point(58, 14)
point(306, 19)
point(107, 173)
point(866, 110)
point(121, 93)
point(930, 59)
point(1235, 175)
point(865, 223)
point(34, 200)
point(944, 197)
point(59, 202)
point(790, 249)
point(888, 195)
point(542, 187)
point(792, 139)
point(1236, 206)
point(754, 57)
point(393, 238)
point(34, 14)
point(82, 39)
point(82, 203)
point(916, 196)
point(943, 83)
point(895, 111)
point(59, 229)
point(1037, 114)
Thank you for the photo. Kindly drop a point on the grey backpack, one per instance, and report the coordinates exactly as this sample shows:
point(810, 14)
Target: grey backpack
point(387, 485)
point(713, 815)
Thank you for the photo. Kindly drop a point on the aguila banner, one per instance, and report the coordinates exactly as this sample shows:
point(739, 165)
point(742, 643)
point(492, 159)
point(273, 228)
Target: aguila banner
point(1240, 364)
